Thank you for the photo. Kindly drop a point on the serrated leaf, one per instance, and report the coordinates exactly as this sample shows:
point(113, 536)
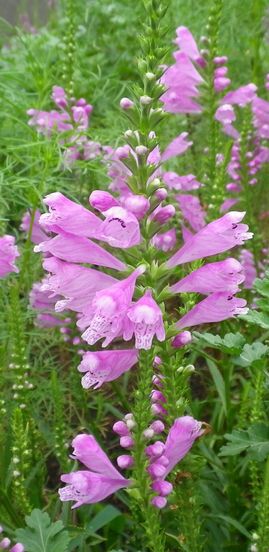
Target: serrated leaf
point(212, 340)
point(42, 535)
point(255, 441)
point(262, 285)
point(258, 318)
point(231, 343)
point(252, 353)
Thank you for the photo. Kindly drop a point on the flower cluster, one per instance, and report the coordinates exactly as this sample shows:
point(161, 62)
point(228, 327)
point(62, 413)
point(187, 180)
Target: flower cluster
point(101, 479)
point(71, 118)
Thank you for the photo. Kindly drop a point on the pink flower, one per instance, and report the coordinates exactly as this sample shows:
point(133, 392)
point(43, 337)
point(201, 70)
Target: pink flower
point(77, 284)
point(136, 204)
point(181, 436)
point(178, 146)
point(218, 236)
point(144, 319)
point(100, 480)
point(77, 249)
point(104, 366)
point(176, 182)
point(37, 234)
point(215, 308)
point(59, 96)
point(108, 310)
point(164, 457)
point(165, 240)
point(69, 216)
point(249, 269)
point(192, 211)
point(187, 44)
point(8, 255)
point(228, 203)
point(220, 276)
point(242, 96)
point(181, 80)
point(120, 228)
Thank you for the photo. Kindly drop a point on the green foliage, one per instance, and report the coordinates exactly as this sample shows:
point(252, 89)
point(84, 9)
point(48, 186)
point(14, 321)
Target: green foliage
point(254, 441)
point(41, 535)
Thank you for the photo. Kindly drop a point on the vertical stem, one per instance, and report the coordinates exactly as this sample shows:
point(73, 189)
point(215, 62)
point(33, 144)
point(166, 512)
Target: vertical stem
point(142, 417)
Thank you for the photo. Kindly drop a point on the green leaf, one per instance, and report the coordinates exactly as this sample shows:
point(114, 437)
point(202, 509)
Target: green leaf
point(258, 318)
point(41, 535)
point(219, 383)
point(252, 353)
point(104, 517)
point(255, 441)
point(231, 343)
point(231, 521)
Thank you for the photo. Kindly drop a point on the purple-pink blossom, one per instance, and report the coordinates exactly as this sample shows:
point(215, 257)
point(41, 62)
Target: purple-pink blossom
point(8, 255)
point(219, 276)
point(103, 366)
point(215, 308)
point(216, 237)
point(95, 483)
point(144, 320)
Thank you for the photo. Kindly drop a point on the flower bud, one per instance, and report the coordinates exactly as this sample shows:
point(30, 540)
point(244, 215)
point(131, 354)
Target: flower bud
point(148, 433)
point(125, 461)
point(5, 543)
point(18, 547)
point(163, 488)
point(150, 76)
point(159, 502)
point(156, 469)
point(137, 204)
point(141, 150)
point(126, 103)
point(122, 152)
point(145, 100)
point(161, 194)
point(126, 441)
point(155, 450)
point(157, 426)
point(102, 201)
point(120, 428)
point(182, 339)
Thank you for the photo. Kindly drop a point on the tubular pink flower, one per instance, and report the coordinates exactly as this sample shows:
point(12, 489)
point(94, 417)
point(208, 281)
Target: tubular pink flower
point(249, 269)
point(78, 249)
point(144, 320)
point(109, 308)
point(192, 211)
point(165, 241)
point(181, 436)
point(176, 182)
point(187, 44)
point(120, 228)
point(104, 366)
point(178, 146)
point(59, 96)
point(215, 308)
point(77, 284)
point(218, 236)
point(69, 216)
point(136, 204)
point(37, 235)
point(219, 276)
point(8, 255)
point(242, 96)
point(100, 480)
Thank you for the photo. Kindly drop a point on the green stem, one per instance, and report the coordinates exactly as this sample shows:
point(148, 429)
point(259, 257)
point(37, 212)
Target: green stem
point(142, 417)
